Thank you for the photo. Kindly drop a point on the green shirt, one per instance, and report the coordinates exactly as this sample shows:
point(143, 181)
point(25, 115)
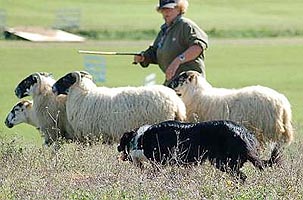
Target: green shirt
point(172, 41)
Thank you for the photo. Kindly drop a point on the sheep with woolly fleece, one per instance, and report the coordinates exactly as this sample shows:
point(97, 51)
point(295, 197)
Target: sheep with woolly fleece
point(49, 109)
point(22, 112)
point(261, 109)
point(109, 112)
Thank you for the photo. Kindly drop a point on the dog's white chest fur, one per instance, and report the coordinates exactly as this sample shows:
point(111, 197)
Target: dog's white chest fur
point(137, 154)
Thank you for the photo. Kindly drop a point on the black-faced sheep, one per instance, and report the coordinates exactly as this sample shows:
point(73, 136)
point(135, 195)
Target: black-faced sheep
point(107, 112)
point(49, 108)
point(22, 112)
point(225, 144)
point(261, 109)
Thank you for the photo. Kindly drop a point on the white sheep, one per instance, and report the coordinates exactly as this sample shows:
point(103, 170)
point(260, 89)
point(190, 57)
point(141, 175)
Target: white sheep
point(109, 112)
point(261, 109)
point(22, 112)
point(49, 109)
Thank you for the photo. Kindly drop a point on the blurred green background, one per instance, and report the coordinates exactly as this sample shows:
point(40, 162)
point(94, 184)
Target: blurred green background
point(119, 18)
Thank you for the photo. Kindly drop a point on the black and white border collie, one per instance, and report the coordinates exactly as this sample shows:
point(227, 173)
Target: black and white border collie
point(225, 144)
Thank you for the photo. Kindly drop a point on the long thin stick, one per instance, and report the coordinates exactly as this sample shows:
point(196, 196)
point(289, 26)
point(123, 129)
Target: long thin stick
point(108, 53)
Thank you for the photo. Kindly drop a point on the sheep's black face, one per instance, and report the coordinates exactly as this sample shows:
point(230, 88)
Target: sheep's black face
point(8, 121)
point(178, 81)
point(13, 117)
point(63, 84)
point(24, 87)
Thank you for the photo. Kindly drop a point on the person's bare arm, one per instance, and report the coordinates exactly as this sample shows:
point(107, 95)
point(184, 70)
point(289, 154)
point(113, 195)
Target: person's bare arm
point(190, 54)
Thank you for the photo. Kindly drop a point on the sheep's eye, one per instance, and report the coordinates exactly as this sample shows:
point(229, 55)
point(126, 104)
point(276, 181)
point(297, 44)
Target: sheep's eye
point(180, 83)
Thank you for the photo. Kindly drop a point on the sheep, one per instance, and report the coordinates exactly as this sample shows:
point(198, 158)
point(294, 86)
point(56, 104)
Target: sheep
point(224, 143)
point(261, 109)
point(49, 109)
point(103, 112)
point(22, 112)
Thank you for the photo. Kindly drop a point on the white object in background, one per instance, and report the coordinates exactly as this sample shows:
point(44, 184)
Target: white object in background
point(150, 79)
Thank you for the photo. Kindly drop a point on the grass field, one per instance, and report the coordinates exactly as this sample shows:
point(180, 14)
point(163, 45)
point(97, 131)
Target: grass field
point(79, 172)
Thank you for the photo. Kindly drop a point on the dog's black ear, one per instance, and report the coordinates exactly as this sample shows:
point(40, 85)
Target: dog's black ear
point(125, 140)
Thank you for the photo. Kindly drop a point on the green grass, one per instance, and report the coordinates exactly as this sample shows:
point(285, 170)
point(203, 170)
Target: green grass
point(138, 19)
point(273, 65)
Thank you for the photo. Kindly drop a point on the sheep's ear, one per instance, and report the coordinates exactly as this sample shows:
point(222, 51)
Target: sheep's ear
point(77, 76)
point(86, 75)
point(192, 77)
point(46, 74)
point(37, 77)
point(27, 103)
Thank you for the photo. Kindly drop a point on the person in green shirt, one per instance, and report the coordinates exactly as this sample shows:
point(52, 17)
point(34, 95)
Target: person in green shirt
point(179, 46)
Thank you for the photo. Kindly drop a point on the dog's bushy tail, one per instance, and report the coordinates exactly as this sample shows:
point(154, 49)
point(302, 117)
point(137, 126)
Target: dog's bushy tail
point(275, 158)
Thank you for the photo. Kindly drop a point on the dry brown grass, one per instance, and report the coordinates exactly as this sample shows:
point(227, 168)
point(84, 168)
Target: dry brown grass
point(94, 172)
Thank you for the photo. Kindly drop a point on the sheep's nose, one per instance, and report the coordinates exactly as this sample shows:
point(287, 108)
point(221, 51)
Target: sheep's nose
point(18, 92)
point(54, 89)
point(9, 125)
